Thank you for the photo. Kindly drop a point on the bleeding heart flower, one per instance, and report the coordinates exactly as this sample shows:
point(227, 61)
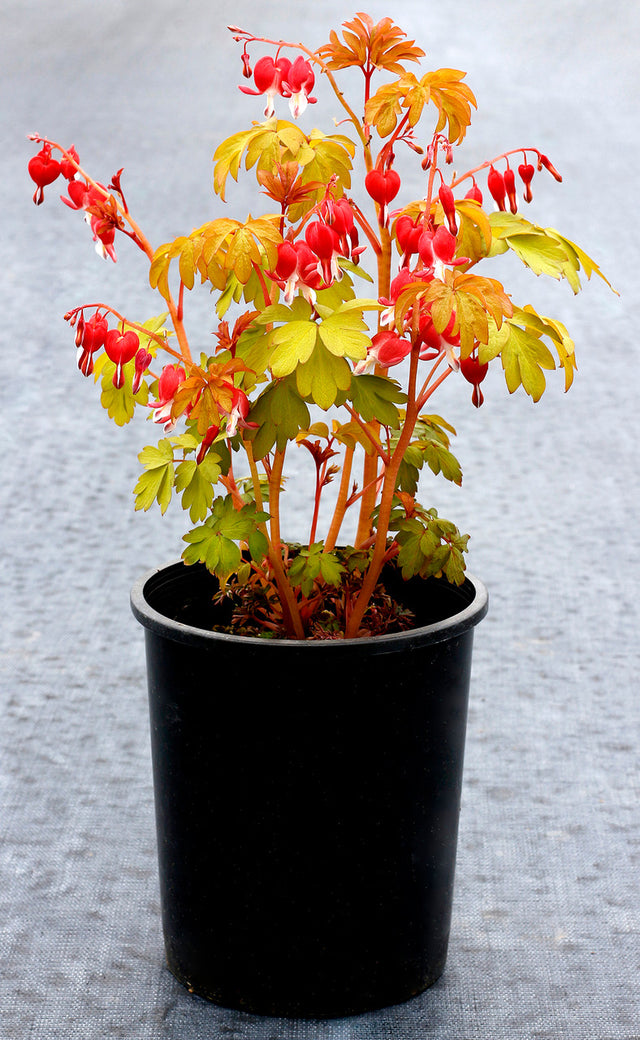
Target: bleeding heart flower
point(526, 171)
point(268, 76)
point(326, 245)
point(43, 170)
point(90, 337)
point(142, 361)
point(408, 234)
point(496, 185)
point(67, 169)
point(387, 349)
point(382, 187)
point(449, 206)
point(170, 379)
point(120, 348)
point(474, 193)
point(297, 84)
point(474, 373)
point(510, 185)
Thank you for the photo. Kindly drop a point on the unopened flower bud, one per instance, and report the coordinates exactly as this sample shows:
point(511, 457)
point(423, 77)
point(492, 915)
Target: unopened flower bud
point(449, 206)
point(496, 185)
point(548, 165)
point(510, 185)
point(474, 193)
point(526, 171)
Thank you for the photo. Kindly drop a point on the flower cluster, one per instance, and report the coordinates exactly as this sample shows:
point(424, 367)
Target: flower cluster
point(305, 342)
point(279, 76)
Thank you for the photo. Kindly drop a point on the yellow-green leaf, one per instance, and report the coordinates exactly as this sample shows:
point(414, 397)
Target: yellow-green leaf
point(293, 345)
point(322, 376)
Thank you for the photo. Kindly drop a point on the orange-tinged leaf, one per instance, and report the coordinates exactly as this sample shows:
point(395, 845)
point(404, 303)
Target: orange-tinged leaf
point(382, 110)
point(416, 95)
point(366, 43)
point(453, 98)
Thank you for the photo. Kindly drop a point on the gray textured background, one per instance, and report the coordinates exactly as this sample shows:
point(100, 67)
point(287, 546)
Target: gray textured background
point(545, 939)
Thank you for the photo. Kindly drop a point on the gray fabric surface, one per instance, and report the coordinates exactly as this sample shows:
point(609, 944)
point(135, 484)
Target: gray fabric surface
point(545, 939)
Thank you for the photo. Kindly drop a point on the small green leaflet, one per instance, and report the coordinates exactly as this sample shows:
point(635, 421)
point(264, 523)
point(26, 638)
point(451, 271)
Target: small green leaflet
point(316, 350)
point(430, 444)
point(195, 482)
point(312, 564)
point(191, 480)
point(215, 542)
point(430, 546)
point(156, 483)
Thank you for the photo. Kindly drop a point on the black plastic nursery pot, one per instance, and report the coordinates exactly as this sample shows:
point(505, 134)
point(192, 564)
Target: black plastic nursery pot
point(307, 799)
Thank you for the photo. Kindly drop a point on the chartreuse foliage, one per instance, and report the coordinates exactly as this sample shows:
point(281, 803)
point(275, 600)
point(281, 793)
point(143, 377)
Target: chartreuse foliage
point(277, 142)
point(301, 340)
point(194, 481)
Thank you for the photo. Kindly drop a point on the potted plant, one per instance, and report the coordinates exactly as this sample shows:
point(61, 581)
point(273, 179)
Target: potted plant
point(308, 701)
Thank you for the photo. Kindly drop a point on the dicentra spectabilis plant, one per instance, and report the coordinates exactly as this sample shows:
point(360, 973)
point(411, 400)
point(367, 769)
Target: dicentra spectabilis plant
point(296, 335)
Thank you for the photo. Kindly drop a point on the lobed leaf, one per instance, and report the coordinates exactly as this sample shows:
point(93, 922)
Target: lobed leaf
point(156, 483)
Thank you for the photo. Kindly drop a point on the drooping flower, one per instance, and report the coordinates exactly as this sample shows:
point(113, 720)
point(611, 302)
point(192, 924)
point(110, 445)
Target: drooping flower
point(338, 214)
point(387, 349)
point(169, 381)
point(90, 337)
point(43, 170)
point(408, 233)
point(100, 213)
point(120, 348)
point(474, 373)
point(383, 186)
point(510, 186)
point(143, 359)
point(238, 413)
point(448, 202)
point(325, 243)
point(67, 169)
point(497, 188)
point(268, 76)
point(298, 267)
point(526, 171)
point(297, 84)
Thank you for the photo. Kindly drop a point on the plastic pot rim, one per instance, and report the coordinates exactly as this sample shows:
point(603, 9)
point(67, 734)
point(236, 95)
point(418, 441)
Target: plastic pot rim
point(450, 627)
